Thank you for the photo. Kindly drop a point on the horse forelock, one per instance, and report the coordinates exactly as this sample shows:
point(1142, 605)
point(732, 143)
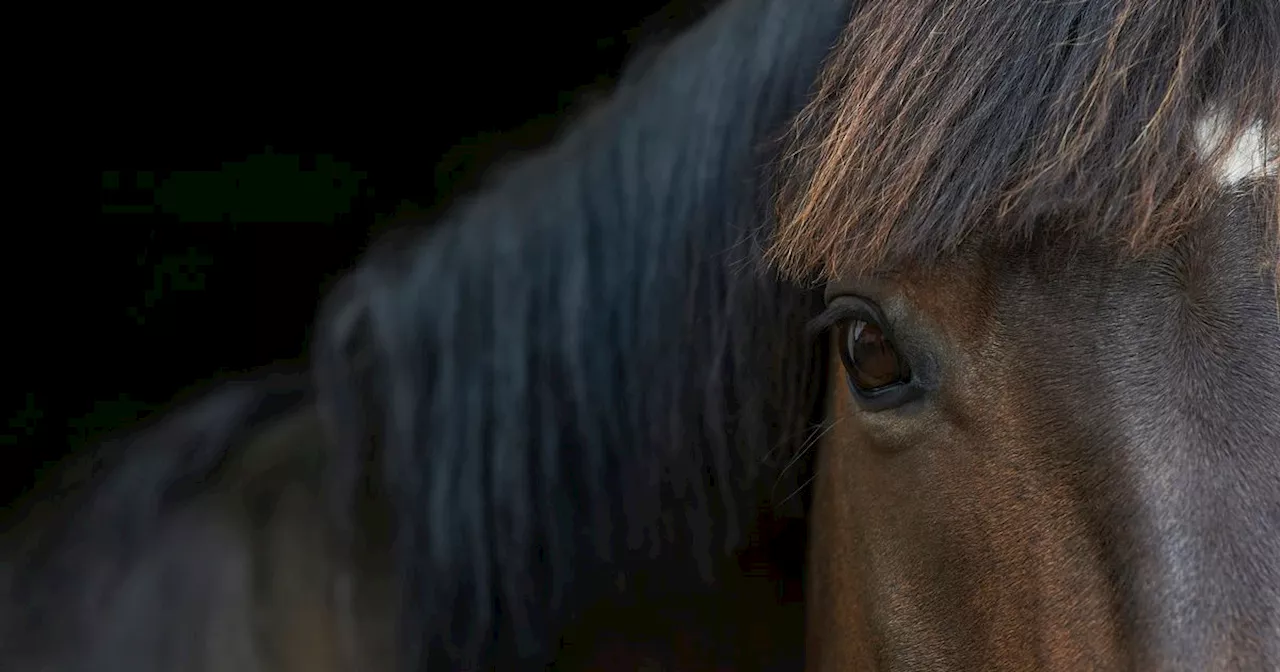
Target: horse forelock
point(941, 120)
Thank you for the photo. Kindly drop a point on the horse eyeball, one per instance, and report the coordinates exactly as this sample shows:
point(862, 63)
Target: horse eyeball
point(870, 358)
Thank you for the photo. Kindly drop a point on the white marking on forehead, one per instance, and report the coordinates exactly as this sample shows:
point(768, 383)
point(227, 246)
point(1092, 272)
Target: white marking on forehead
point(1251, 155)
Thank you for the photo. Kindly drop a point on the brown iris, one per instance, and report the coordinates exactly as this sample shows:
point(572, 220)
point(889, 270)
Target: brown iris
point(870, 358)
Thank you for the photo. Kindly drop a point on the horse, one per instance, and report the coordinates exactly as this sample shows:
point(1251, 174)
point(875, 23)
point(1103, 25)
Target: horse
point(1003, 274)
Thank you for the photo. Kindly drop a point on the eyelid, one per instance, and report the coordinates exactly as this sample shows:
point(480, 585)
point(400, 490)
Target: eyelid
point(840, 309)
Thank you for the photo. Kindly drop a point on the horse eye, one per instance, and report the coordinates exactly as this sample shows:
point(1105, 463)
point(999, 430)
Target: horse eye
point(870, 359)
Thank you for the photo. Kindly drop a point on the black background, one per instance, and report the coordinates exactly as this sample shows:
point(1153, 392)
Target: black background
point(112, 309)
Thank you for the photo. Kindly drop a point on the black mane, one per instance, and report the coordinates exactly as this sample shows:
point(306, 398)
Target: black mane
point(581, 368)
point(589, 350)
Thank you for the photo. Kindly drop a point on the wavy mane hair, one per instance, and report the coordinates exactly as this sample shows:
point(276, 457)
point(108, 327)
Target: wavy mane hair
point(582, 369)
point(941, 120)
point(588, 361)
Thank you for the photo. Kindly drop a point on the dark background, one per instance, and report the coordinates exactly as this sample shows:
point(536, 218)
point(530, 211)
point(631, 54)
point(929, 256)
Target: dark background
point(238, 165)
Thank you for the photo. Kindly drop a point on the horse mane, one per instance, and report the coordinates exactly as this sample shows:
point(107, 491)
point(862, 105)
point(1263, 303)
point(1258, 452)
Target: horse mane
point(585, 364)
point(1102, 119)
point(578, 370)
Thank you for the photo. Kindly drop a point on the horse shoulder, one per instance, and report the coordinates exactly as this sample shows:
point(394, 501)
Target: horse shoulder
point(242, 576)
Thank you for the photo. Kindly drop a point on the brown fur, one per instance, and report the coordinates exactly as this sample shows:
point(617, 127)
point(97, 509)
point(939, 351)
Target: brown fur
point(1089, 482)
point(940, 119)
point(1040, 612)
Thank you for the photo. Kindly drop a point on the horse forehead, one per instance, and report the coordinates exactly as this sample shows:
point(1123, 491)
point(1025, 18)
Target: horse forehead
point(957, 296)
point(966, 298)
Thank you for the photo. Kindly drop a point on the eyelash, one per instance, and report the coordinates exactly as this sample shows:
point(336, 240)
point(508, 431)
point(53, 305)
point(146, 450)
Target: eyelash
point(838, 311)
